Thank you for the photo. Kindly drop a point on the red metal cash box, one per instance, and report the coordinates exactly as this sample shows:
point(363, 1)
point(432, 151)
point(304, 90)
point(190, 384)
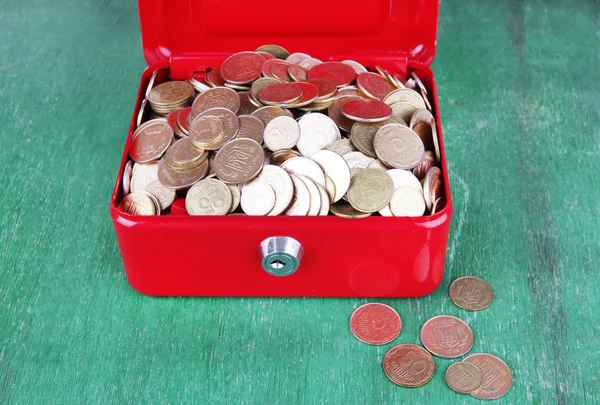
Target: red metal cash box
point(219, 256)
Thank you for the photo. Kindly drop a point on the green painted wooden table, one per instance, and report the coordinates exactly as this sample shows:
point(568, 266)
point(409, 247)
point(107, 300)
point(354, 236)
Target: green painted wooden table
point(520, 104)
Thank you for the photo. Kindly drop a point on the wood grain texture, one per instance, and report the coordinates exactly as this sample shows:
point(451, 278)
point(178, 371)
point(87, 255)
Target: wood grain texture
point(520, 104)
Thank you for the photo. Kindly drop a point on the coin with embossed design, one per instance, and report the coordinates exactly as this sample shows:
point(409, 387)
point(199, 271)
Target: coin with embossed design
point(357, 160)
point(446, 336)
point(181, 179)
point(281, 133)
point(398, 146)
point(183, 154)
point(208, 197)
point(343, 209)
point(297, 73)
point(497, 377)
point(138, 203)
point(317, 131)
point(266, 114)
point(358, 68)
point(408, 365)
point(405, 95)
point(334, 111)
point(406, 202)
point(206, 132)
point(258, 198)
point(142, 175)
point(374, 86)
point(279, 70)
point(338, 73)
point(327, 88)
point(305, 167)
point(310, 92)
point(341, 147)
point(164, 195)
point(221, 97)
point(242, 67)
point(239, 161)
point(370, 190)
point(280, 93)
point(231, 124)
point(375, 323)
point(463, 377)
point(471, 293)
point(282, 184)
point(251, 127)
point(151, 140)
point(214, 78)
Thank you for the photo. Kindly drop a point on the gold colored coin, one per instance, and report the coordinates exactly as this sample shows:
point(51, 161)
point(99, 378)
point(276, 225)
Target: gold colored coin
point(407, 202)
point(236, 195)
point(403, 110)
point(398, 146)
point(370, 190)
point(404, 95)
point(231, 125)
point(341, 147)
point(463, 377)
point(423, 167)
point(239, 161)
point(170, 94)
point(216, 97)
point(208, 197)
point(278, 51)
point(266, 114)
point(183, 154)
point(430, 182)
point(344, 210)
point(206, 131)
point(277, 158)
point(471, 293)
point(181, 179)
point(137, 204)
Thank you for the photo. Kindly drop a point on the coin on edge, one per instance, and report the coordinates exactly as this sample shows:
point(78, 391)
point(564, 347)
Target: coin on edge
point(301, 201)
point(258, 198)
point(370, 190)
point(208, 197)
point(463, 377)
point(471, 293)
point(335, 167)
point(446, 336)
point(306, 167)
point(497, 377)
point(125, 185)
point(408, 365)
point(282, 184)
point(137, 204)
point(165, 196)
point(375, 323)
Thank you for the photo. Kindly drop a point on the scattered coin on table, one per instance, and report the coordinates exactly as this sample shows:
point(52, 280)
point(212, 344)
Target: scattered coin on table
point(375, 324)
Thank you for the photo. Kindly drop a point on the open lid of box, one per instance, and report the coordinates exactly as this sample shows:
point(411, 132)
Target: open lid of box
point(322, 28)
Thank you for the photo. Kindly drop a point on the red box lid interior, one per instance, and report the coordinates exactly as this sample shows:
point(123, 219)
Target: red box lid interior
point(326, 29)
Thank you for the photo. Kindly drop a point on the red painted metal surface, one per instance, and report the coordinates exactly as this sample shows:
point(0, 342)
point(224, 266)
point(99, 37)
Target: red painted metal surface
point(218, 256)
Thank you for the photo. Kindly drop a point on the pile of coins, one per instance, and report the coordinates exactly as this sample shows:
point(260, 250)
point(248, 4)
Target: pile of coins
point(273, 133)
point(481, 375)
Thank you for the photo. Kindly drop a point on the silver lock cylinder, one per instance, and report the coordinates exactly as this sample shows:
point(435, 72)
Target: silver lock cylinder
point(281, 255)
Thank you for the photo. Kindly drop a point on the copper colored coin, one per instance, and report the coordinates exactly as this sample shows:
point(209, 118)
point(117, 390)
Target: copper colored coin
point(471, 293)
point(138, 204)
point(310, 92)
point(427, 163)
point(497, 377)
point(335, 113)
point(242, 67)
point(277, 158)
point(463, 377)
point(217, 97)
point(251, 127)
point(326, 88)
point(297, 73)
point(279, 70)
point(181, 179)
point(408, 365)
point(151, 140)
point(337, 72)
point(281, 93)
point(446, 336)
point(364, 110)
point(374, 85)
point(239, 161)
point(246, 106)
point(375, 324)
point(183, 154)
point(214, 78)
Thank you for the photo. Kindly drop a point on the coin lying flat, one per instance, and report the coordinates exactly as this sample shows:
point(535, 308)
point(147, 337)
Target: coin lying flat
point(335, 167)
point(183, 154)
point(280, 93)
point(298, 73)
point(181, 179)
point(208, 197)
point(338, 73)
point(341, 147)
point(151, 140)
point(497, 377)
point(309, 63)
point(207, 131)
point(251, 127)
point(217, 97)
point(310, 92)
point(398, 146)
point(267, 113)
point(463, 377)
point(296, 57)
point(281, 133)
point(327, 88)
point(343, 209)
point(358, 68)
point(471, 293)
point(277, 158)
point(275, 50)
point(138, 204)
point(370, 190)
point(408, 365)
point(258, 198)
point(446, 336)
point(374, 86)
point(357, 160)
point(279, 70)
point(242, 67)
point(239, 161)
point(375, 324)
point(231, 125)
point(366, 110)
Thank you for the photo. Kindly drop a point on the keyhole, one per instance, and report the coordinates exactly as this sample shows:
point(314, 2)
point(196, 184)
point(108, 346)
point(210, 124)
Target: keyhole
point(277, 264)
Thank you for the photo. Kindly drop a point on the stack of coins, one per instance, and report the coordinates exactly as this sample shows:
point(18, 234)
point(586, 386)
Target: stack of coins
point(296, 136)
point(481, 375)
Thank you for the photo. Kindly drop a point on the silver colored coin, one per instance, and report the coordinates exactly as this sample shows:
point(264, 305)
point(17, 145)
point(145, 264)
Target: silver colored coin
point(301, 201)
point(258, 198)
point(421, 116)
point(281, 133)
point(406, 202)
point(404, 95)
point(330, 188)
point(236, 195)
point(403, 110)
point(127, 172)
point(324, 199)
point(317, 132)
point(402, 178)
point(208, 197)
point(143, 174)
point(296, 57)
point(315, 196)
point(305, 167)
point(154, 201)
point(377, 164)
point(164, 196)
point(358, 160)
point(282, 184)
point(335, 167)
